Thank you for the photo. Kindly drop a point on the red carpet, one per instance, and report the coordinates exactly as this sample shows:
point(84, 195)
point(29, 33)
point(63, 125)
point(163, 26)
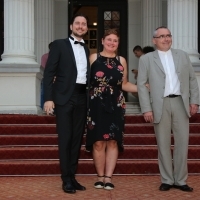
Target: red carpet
point(28, 146)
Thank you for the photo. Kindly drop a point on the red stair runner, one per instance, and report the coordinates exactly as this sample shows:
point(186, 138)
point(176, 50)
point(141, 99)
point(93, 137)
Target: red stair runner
point(28, 146)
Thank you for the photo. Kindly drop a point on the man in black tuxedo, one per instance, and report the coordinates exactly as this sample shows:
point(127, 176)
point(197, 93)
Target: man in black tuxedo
point(68, 61)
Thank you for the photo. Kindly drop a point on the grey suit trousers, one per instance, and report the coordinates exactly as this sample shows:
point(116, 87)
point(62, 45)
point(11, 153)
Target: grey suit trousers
point(174, 118)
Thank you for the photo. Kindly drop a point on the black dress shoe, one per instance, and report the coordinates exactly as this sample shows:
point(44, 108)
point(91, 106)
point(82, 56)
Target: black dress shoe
point(184, 188)
point(68, 187)
point(77, 185)
point(165, 187)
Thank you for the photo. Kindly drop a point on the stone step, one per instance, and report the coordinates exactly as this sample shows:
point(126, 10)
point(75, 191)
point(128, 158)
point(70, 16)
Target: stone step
point(43, 119)
point(31, 129)
point(51, 152)
point(123, 167)
point(52, 139)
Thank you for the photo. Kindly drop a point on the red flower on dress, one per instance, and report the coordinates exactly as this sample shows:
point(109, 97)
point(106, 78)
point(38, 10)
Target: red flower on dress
point(120, 68)
point(109, 66)
point(106, 136)
point(99, 74)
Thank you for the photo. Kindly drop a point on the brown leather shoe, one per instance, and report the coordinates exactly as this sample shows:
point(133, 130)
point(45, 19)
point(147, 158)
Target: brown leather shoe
point(184, 188)
point(165, 187)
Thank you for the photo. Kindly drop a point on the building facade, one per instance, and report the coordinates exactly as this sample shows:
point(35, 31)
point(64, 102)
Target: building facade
point(30, 25)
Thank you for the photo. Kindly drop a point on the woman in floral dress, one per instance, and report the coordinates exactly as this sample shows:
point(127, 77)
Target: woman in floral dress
point(105, 121)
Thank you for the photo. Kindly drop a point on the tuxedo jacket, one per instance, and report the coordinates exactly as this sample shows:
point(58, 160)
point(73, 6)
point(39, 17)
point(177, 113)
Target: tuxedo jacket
point(151, 70)
point(61, 64)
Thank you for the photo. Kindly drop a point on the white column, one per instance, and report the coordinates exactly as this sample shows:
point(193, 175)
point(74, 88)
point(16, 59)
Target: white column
point(20, 74)
point(151, 19)
point(19, 32)
point(134, 38)
point(44, 23)
point(183, 23)
point(61, 18)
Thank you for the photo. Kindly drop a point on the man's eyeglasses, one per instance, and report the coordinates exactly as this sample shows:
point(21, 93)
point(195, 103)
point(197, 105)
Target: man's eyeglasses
point(164, 36)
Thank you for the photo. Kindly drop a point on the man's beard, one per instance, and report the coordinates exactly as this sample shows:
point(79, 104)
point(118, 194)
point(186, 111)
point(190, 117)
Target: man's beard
point(78, 35)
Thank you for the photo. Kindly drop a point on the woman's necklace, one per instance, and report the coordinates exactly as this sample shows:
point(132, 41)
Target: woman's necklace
point(107, 61)
point(108, 57)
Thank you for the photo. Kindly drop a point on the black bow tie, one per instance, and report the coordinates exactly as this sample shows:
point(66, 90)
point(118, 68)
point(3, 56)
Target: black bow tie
point(77, 42)
point(81, 43)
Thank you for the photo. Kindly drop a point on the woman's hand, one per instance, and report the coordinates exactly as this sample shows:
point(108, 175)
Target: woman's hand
point(49, 107)
point(148, 86)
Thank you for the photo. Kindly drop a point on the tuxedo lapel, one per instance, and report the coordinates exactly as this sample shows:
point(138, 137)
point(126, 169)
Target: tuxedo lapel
point(69, 47)
point(88, 63)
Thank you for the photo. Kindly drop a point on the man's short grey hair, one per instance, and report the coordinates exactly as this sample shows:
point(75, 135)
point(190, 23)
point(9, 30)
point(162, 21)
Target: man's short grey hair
point(156, 30)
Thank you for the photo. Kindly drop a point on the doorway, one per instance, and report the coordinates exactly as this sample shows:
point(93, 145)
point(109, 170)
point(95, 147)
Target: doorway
point(103, 14)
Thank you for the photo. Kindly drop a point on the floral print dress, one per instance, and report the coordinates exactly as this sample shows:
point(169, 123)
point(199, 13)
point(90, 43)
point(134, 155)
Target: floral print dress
point(105, 120)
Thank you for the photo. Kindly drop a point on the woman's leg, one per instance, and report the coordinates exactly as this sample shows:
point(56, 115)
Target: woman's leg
point(111, 159)
point(99, 157)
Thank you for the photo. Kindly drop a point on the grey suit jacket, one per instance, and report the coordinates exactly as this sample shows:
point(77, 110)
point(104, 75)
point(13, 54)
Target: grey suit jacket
point(151, 70)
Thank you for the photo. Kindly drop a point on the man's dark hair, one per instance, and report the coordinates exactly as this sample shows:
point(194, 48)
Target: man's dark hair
point(79, 15)
point(137, 48)
point(50, 45)
point(148, 49)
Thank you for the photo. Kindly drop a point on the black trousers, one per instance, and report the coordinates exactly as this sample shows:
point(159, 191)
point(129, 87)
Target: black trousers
point(70, 126)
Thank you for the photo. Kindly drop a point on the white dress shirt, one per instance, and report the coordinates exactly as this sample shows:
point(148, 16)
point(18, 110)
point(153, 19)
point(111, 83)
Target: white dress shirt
point(81, 61)
point(172, 83)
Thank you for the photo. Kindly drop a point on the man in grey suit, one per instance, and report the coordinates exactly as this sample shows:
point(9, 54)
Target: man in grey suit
point(172, 99)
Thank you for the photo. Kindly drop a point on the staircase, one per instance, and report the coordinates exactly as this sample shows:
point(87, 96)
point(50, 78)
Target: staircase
point(28, 146)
